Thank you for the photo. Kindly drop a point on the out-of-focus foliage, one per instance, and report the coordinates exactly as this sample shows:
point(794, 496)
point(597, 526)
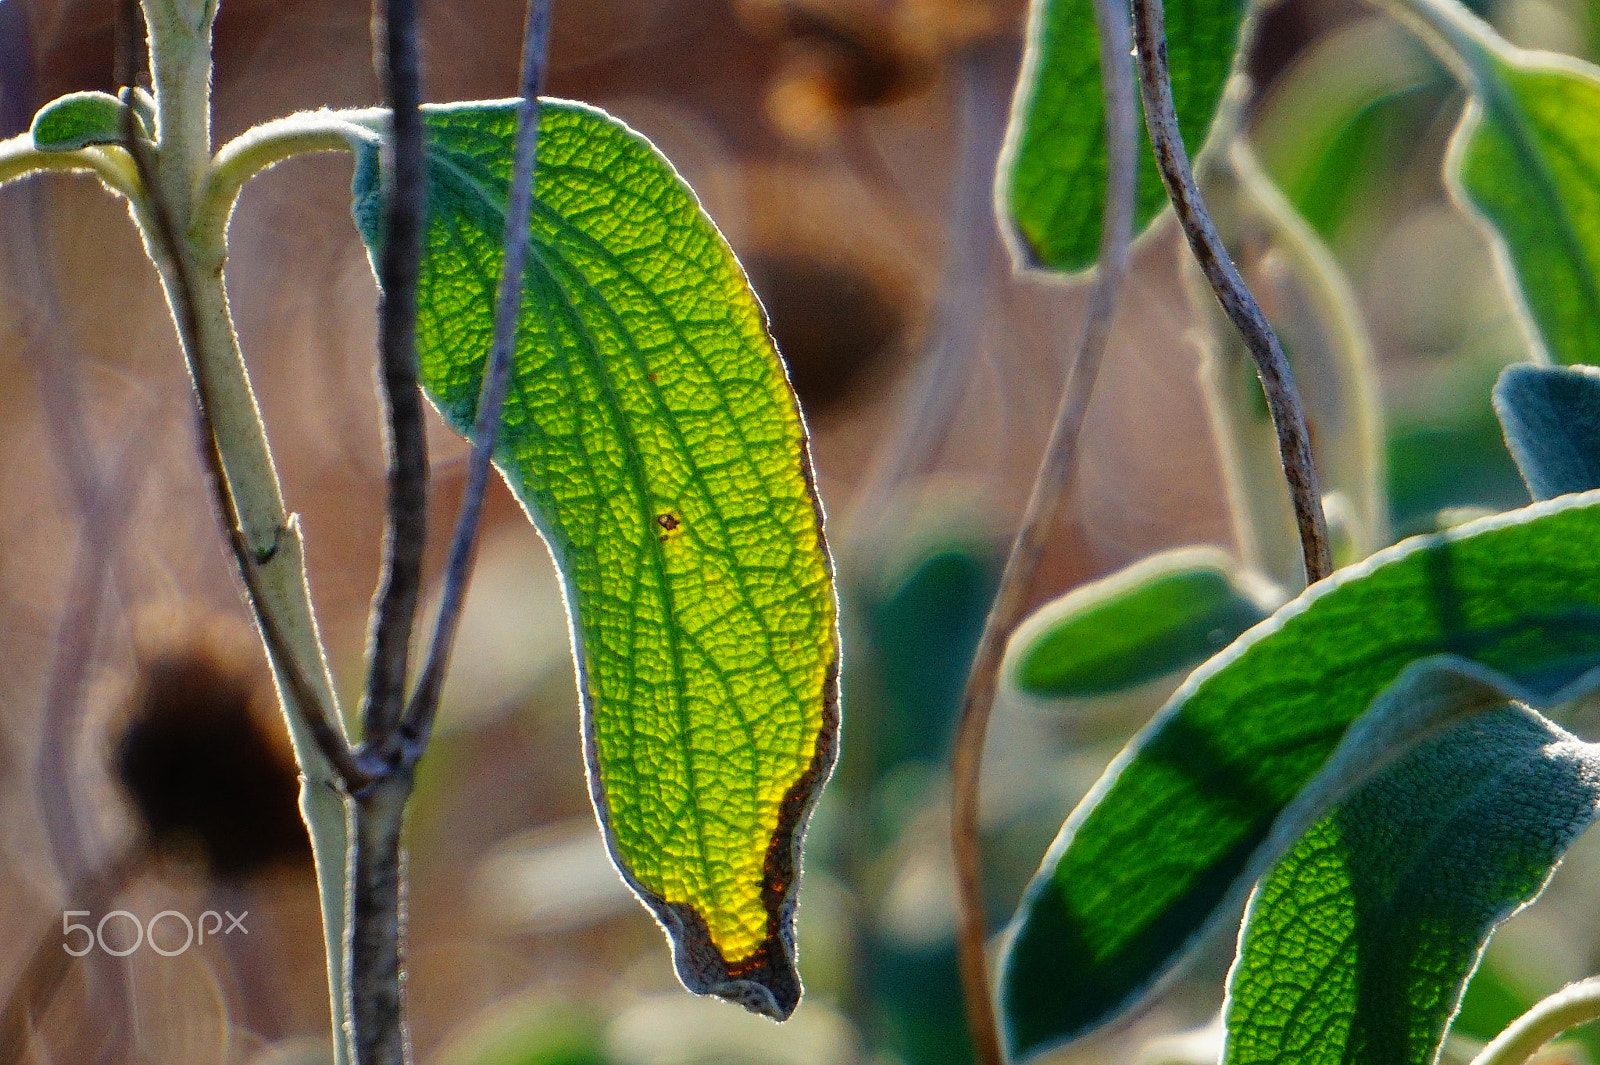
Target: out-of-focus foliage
point(1528, 159)
point(1171, 610)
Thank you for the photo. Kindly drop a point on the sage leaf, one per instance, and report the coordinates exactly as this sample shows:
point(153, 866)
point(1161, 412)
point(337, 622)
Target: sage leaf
point(77, 120)
point(1551, 418)
point(652, 436)
point(1051, 183)
point(1171, 610)
point(1506, 607)
point(1357, 946)
point(1527, 157)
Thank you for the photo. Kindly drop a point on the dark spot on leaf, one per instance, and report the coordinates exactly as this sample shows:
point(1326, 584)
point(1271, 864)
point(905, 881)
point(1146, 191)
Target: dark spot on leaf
point(668, 521)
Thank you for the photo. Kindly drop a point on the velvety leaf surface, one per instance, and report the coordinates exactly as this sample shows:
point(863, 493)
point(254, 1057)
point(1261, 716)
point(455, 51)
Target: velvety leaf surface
point(1146, 861)
point(1171, 610)
point(1551, 418)
point(1052, 176)
point(1357, 946)
point(1527, 156)
point(652, 436)
point(77, 120)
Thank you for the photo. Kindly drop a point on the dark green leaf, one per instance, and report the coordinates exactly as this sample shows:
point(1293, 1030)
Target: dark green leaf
point(1551, 418)
point(1527, 156)
point(651, 434)
point(1169, 838)
point(1357, 946)
point(1052, 176)
point(923, 633)
point(1169, 611)
point(78, 120)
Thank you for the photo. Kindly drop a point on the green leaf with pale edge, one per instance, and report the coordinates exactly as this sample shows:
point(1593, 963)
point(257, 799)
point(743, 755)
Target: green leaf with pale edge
point(1527, 156)
point(1357, 946)
point(77, 120)
point(1169, 611)
point(652, 436)
point(1168, 840)
point(1551, 418)
point(1051, 184)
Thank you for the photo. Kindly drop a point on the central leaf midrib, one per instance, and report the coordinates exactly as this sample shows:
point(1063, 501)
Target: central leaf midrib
point(551, 215)
point(635, 467)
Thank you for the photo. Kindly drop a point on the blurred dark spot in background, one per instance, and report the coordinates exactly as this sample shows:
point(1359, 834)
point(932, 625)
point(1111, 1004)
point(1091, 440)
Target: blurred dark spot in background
point(206, 776)
point(832, 322)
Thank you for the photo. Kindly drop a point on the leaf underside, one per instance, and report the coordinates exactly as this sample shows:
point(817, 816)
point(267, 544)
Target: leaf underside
point(1160, 846)
point(1052, 176)
point(652, 436)
point(1551, 418)
point(1528, 158)
point(1357, 946)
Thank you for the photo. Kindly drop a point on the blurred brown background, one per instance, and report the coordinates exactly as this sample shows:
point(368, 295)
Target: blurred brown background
point(846, 147)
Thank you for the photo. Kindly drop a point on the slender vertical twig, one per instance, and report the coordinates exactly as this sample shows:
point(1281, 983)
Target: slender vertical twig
point(1056, 468)
point(405, 214)
point(1288, 417)
point(304, 699)
point(496, 379)
point(377, 864)
point(376, 904)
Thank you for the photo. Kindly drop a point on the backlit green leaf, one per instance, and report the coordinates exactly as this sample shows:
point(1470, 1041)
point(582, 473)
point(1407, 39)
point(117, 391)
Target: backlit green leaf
point(1169, 611)
point(651, 434)
point(77, 120)
point(1357, 946)
point(1551, 417)
point(1169, 838)
point(1527, 156)
point(1052, 176)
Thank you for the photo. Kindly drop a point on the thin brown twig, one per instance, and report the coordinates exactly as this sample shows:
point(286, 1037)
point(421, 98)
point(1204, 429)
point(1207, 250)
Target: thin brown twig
point(377, 917)
point(405, 216)
point(496, 380)
point(377, 862)
point(1277, 380)
point(1056, 469)
point(303, 699)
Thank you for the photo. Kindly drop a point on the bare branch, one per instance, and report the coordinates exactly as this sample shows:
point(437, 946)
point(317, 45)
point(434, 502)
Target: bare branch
point(1288, 417)
point(496, 379)
point(405, 215)
point(1056, 469)
point(377, 874)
